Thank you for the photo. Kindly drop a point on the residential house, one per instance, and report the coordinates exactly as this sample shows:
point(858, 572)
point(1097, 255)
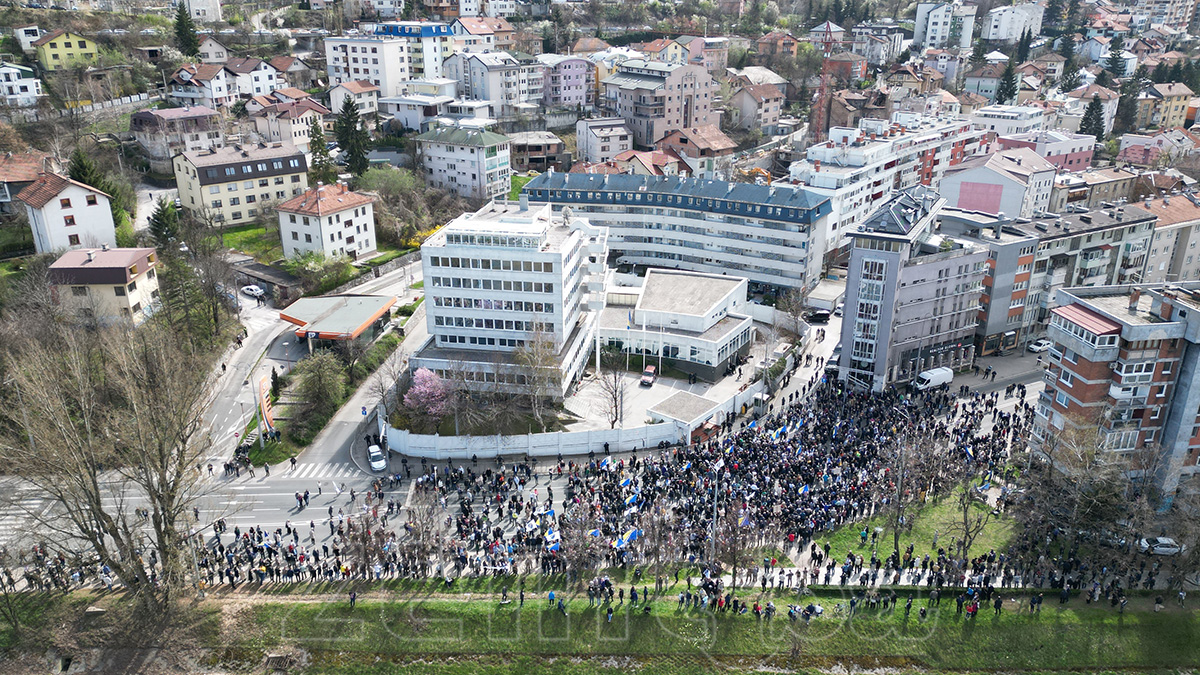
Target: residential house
point(330, 220)
point(1005, 120)
point(776, 43)
point(482, 34)
point(1163, 106)
point(651, 163)
point(1014, 182)
point(290, 123)
point(1091, 189)
point(969, 102)
point(65, 213)
point(208, 85)
point(759, 75)
point(1052, 63)
point(212, 51)
point(1082, 96)
point(472, 163)
point(18, 171)
point(204, 11)
point(712, 53)
point(19, 85)
point(847, 66)
point(655, 98)
point(848, 106)
point(538, 151)
point(601, 139)
point(362, 92)
point(527, 42)
point(1009, 23)
point(254, 77)
point(164, 133)
point(26, 35)
point(756, 106)
point(985, 80)
point(881, 42)
point(826, 30)
point(663, 50)
point(1165, 147)
point(1094, 49)
point(569, 81)
point(913, 79)
point(701, 147)
point(62, 49)
point(233, 184)
point(509, 85)
point(398, 51)
point(951, 63)
point(296, 71)
point(1063, 149)
point(586, 46)
point(106, 285)
point(944, 24)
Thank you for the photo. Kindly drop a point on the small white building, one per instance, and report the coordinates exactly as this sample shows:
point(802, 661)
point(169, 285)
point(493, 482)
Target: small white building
point(204, 11)
point(601, 139)
point(26, 35)
point(1005, 120)
point(254, 77)
point(206, 84)
point(330, 220)
point(698, 322)
point(290, 123)
point(212, 51)
point(470, 162)
point(67, 214)
point(19, 85)
point(365, 94)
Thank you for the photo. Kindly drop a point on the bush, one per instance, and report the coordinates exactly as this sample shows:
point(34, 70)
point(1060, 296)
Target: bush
point(410, 309)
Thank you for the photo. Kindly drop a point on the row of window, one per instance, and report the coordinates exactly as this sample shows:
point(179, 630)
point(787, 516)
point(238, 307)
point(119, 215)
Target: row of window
point(486, 264)
point(479, 341)
point(499, 305)
point(491, 324)
point(277, 165)
point(493, 284)
point(65, 203)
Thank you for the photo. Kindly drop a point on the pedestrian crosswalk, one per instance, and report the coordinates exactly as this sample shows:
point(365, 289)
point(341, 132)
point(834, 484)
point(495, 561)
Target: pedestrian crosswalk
point(16, 517)
point(314, 470)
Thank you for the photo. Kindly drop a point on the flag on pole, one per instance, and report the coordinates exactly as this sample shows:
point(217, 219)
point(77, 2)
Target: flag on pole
point(552, 547)
point(626, 482)
point(594, 533)
point(631, 500)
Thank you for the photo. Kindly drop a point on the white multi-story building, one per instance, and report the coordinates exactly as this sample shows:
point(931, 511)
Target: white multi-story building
point(497, 77)
point(1014, 182)
point(470, 162)
point(944, 24)
point(164, 133)
point(1006, 120)
point(204, 11)
point(230, 185)
point(254, 77)
point(912, 295)
point(1011, 22)
point(601, 139)
point(106, 285)
point(507, 279)
point(27, 34)
point(501, 9)
point(19, 86)
point(770, 235)
point(1175, 14)
point(212, 51)
point(330, 220)
point(880, 42)
point(859, 169)
point(364, 94)
point(290, 123)
point(207, 84)
point(426, 45)
point(64, 213)
point(395, 53)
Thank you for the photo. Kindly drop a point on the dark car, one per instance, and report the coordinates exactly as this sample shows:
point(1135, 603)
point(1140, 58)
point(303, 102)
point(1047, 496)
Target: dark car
point(817, 316)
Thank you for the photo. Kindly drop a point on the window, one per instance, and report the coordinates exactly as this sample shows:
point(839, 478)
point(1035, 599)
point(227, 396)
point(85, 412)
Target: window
point(73, 239)
point(69, 220)
point(1066, 378)
point(295, 236)
point(132, 286)
point(119, 290)
point(64, 203)
point(214, 190)
point(1061, 399)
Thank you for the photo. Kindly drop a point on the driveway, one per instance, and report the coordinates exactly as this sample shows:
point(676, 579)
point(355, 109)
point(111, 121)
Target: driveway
point(147, 195)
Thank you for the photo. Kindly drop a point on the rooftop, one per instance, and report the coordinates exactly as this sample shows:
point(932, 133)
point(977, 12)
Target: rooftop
point(527, 137)
point(87, 266)
point(232, 154)
point(1117, 304)
point(358, 86)
point(684, 407)
point(48, 186)
point(22, 167)
point(325, 199)
point(1088, 319)
point(1057, 226)
point(462, 136)
point(690, 293)
point(337, 317)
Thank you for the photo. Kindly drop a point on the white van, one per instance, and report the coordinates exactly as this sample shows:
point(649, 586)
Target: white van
point(930, 379)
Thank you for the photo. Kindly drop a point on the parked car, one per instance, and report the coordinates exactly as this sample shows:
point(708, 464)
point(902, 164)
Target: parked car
point(253, 291)
point(817, 316)
point(1160, 546)
point(649, 375)
point(837, 311)
point(377, 458)
point(1041, 345)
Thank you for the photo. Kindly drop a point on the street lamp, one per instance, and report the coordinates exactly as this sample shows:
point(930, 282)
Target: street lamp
point(287, 361)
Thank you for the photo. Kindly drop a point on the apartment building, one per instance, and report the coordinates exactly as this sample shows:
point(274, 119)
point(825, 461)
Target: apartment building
point(1078, 101)
point(656, 98)
point(290, 123)
point(470, 162)
point(569, 81)
point(19, 86)
point(65, 213)
point(1163, 106)
point(499, 78)
point(1063, 149)
point(1009, 23)
point(504, 276)
point(426, 45)
point(1012, 182)
point(106, 285)
point(204, 11)
point(1172, 14)
point(858, 169)
point(944, 24)
point(1124, 363)
point(207, 85)
point(162, 134)
point(396, 53)
point(538, 151)
point(1091, 189)
point(912, 294)
point(330, 220)
point(1006, 120)
point(881, 42)
point(62, 49)
point(1174, 251)
point(235, 183)
point(770, 235)
point(364, 94)
point(757, 106)
point(601, 139)
point(482, 34)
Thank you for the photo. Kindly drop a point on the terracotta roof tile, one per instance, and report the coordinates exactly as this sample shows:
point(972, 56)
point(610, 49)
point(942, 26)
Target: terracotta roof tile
point(47, 187)
point(358, 86)
point(324, 200)
point(21, 168)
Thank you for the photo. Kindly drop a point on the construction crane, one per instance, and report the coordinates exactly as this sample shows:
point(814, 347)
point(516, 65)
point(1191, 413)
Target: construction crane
point(818, 120)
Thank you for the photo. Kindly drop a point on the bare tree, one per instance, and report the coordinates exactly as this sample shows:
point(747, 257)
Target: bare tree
point(613, 388)
point(112, 404)
point(734, 539)
point(791, 304)
point(579, 546)
point(911, 467)
point(537, 359)
point(426, 539)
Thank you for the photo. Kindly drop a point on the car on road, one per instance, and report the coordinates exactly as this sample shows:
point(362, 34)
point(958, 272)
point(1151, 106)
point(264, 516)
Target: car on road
point(817, 316)
point(1040, 345)
point(837, 311)
point(1160, 546)
point(649, 375)
point(253, 291)
point(376, 457)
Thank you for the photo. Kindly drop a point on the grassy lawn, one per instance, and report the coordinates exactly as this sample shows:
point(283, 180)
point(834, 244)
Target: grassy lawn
point(935, 518)
point(418, 285)
point(1076, 636)
point(386, 255)
point(518, 182)
point(255, 241)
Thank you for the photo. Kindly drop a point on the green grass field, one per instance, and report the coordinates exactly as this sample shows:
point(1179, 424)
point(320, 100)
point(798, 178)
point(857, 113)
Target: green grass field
point(518, 182)
point(254, 241)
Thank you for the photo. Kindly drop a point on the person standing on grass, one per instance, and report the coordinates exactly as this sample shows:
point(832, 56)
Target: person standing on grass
point(353, 599)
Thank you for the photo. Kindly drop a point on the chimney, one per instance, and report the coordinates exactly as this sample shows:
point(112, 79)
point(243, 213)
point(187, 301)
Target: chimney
point(1133, 300)
point(91, 256)
point(103, 247)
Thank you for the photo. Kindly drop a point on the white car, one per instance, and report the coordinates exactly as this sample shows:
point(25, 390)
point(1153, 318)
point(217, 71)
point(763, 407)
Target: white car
point(376, 457)
point(1038, 346)
point(1160, 546)
point(837, 311)
point(253, 291)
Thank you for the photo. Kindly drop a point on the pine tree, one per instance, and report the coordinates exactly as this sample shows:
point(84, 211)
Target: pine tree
point(1161, 73)
point(1071, 79)
point(1126, 118)
point(1116, 62)
point(1104, 79)
point(1023, 46)
point(1066, 48)
point(1093, 119)
point(1007, 91)
point(356, 152)
point(82, 169)
point(185, 31)
point(322, 169)
point(164, 224)
point(978, 55)
point(346, 122)
point(1054, 12)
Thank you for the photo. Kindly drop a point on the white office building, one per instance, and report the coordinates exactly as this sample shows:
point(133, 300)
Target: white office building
point(1009, 23)
point(395, 53)
point(601, 139)
point(944, 24)
point(1005, 120)
point(507, 277)
point(770, 235)
point(330, 220)
point(859, 169)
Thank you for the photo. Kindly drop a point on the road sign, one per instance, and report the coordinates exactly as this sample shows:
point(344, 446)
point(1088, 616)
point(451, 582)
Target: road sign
point(237, 434)
point(364, 409)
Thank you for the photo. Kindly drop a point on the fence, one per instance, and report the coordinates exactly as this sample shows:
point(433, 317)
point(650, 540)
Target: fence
point(112, 105)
